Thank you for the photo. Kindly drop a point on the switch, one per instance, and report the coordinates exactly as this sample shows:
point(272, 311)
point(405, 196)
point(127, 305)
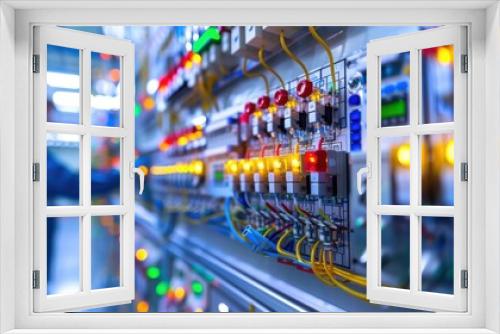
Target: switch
point(295, 183)
point(238, 46)
point(258, 38)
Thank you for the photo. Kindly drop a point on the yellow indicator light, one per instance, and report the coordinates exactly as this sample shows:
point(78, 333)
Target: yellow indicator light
point(148, 103)
point(277, 164)
point(296, 163)
point(196, 58)
point(179, 293)
point(292, 103)
point(257, 114)
point(403, 155)
point(450, 152)
point(199, 310)
point(444, 55)
point(247, 166)
point(141, 254)
point(261, 165)
point(142, 306)
point(316, 95)
point(182, 141)
point(272, 108)
point(232, 167)
point(197, 167)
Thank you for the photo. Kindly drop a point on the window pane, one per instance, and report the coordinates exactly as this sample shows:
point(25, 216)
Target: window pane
point(63, 169)
point(437, 254)
point(437, 84)
point(395, 170)
point(394, 89)
point(63, 84)
point(437, 160)
point(395, 262)
point(63, 255)
point(105, 185)
point(105, 252)
point(105, 89)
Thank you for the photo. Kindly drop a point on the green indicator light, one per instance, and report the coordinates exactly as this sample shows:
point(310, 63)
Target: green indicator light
point(137, 110)
point(218, 176)
point(162, 288)
point(210, 35)
point(197, 288)
point(153, 272)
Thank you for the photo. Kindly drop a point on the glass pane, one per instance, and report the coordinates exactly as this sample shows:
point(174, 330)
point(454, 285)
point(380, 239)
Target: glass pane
point(63, 84)
point(105, 187)
point(63, 255)
point(437, 254)
point(395, 170)
point(105, 89)
point(437, 84)
point(395, 89)
point(395, 262)
point(437, 160)
point(105, 252)
point(63, 169)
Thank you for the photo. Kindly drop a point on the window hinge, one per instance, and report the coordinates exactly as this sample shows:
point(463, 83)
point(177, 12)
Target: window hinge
point(36, 63)
point(464, 171)
point(465, 64)
point(36, 172)
point(464, 281)
point(36, 279)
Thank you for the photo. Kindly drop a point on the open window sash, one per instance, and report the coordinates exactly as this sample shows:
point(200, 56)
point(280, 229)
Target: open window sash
point(87, 215)
point(416, 129)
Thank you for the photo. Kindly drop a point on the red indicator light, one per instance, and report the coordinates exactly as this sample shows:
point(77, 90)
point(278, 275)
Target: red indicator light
point(304, 88)
point(264, 102)
point(315, 161)
point(250, 108)
point(281, 97)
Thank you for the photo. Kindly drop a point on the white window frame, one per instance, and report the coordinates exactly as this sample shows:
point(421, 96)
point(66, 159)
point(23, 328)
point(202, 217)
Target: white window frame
point(16, 21)
point(86, 297)
point(414, 43)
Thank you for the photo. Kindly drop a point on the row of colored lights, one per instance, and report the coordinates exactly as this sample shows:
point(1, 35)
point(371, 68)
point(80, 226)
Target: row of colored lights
point(195, 167)
point(276, 164)
point(181, 138)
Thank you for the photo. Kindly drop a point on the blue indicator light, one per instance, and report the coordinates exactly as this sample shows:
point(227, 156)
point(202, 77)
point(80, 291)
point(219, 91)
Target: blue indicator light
point(355, 146)
point(355, 127)
point(355, 115)
point(356, 137)
point(354, 100)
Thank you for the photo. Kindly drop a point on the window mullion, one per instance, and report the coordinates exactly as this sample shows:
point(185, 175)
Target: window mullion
point(86, 173)
point(414, 171)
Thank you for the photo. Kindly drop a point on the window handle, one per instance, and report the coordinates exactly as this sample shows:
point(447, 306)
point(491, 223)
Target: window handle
point(139, 172)
point(362, 171)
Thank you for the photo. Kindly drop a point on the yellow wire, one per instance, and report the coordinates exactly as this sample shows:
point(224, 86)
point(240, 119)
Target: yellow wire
point(325, 46)
point(291, 55)
point(313, 265)
point(297, 250)
point(262, 61)
point(280, 250)
point(341, 285)
point(268, 231)
point(253, 75)
point(237, 230)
